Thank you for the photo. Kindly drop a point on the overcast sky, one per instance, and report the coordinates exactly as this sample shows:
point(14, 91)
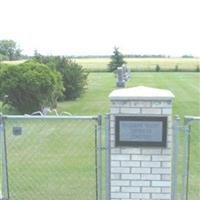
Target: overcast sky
point(82, 27)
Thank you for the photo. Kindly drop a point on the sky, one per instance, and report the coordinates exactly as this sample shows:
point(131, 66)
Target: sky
point(94, 27)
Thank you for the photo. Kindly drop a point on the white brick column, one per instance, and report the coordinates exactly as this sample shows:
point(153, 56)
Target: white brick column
point(139, 173)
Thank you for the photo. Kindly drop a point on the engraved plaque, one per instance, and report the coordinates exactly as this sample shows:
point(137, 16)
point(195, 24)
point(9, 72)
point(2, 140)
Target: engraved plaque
point(140, 131)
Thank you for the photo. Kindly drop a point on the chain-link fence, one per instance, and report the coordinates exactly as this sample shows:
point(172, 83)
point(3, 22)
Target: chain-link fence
point(51, 158)
point(186, 164)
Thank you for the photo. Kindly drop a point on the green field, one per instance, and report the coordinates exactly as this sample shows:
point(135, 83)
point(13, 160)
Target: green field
point(186, 88)
point(143, 64)
point(15, 62)
point(136, 64)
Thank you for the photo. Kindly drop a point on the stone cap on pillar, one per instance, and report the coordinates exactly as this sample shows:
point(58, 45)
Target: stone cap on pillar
point(141, 93)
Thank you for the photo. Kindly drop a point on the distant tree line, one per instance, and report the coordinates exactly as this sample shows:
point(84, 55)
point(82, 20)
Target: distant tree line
point(9, 50)
point(125, 56)
point(131, 56)
point(187, 56)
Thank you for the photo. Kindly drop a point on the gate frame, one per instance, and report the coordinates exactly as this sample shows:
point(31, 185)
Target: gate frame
point(98, 150)
point(186, 155)
point(108, 154)
point(5, 184)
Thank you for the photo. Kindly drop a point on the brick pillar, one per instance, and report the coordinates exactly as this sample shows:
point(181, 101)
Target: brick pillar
point(141, 172)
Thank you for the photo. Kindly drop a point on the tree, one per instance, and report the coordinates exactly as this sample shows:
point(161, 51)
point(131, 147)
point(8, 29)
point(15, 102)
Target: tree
point(73, 75)
point(117, 60)
point(197, 68)
point(157, 68)
point(30, 86)
point(3, 57)
point(74, 78)
point(8, 48)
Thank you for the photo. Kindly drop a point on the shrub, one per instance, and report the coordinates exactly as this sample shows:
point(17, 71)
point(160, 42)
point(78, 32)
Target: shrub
point(73, 75)
point(176, 68)
point(3, 57)
point(30, 86)
point(157, 68)
point(197, 68)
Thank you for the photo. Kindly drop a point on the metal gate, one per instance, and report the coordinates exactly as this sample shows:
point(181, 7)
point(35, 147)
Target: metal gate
point(51, 157)
point(184, 133)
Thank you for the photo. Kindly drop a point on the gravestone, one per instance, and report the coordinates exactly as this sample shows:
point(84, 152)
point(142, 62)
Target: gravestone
point(141, 143)
point(120, 77)
point(123, 75)
point(125, 72)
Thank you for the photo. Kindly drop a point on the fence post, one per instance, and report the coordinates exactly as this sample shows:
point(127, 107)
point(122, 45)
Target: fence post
point(99, 156)
point(5, 188)
point(107, 139)
point(185, 181)
point(175, 157)
point(184, 193)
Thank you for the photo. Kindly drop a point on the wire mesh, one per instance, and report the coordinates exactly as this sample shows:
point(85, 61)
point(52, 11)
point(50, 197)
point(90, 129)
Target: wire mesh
point(51, 159)
point(193, 163)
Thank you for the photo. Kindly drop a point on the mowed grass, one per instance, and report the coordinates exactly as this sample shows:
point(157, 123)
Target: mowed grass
point(142, 64)
point(52, 159)
point(186, 88)
point(50, 155)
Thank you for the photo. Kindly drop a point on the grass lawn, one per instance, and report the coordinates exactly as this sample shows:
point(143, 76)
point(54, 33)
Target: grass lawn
point(52, 159)
point(186, 88)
